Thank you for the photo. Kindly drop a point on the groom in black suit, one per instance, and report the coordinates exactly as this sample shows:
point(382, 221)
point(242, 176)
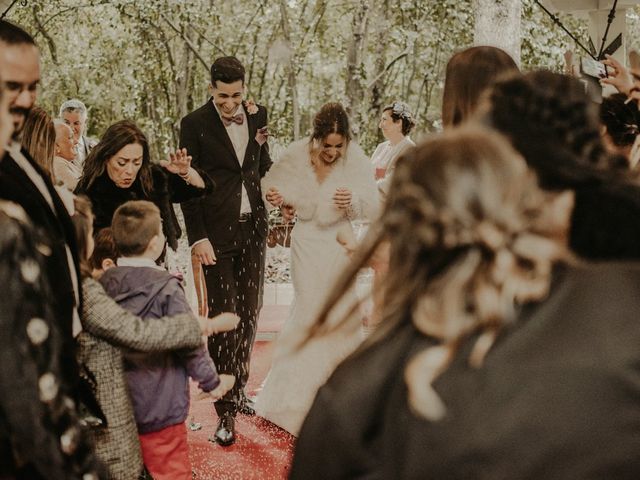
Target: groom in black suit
point(227, 229)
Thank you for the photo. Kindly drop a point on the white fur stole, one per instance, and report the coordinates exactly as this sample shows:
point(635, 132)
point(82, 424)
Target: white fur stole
point(293, 176)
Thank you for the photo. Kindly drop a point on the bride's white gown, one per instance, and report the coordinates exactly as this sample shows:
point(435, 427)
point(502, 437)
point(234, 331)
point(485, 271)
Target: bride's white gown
point(317, 260)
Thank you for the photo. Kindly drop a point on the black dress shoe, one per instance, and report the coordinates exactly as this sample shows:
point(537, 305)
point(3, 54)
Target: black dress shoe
point(247, 407)
point(226, 431)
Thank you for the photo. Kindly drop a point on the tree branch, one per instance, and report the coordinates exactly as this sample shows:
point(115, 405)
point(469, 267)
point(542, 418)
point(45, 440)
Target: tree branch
point(186, 41)
point(386, 69)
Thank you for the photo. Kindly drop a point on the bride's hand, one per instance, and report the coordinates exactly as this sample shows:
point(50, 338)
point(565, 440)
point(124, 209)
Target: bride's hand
point(274, 197)
point(342, 198)
point(288, 212)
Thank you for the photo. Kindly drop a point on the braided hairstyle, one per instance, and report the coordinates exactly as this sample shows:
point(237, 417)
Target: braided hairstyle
point(553, 123)
point(470, 237)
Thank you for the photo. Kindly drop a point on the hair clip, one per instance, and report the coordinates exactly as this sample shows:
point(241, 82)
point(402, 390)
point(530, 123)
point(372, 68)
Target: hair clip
point(402, 110)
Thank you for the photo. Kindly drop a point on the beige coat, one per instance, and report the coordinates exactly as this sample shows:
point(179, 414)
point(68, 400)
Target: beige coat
point(107, 328)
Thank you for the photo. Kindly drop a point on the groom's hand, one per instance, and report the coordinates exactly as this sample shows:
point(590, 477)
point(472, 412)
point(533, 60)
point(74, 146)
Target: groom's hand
point(204, 253)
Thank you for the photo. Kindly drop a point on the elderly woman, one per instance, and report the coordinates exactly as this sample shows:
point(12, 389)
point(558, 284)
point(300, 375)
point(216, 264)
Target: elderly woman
point(329, 181)
point(65, 171)
point(396, 123)
point(458, 381)
point(119, 169)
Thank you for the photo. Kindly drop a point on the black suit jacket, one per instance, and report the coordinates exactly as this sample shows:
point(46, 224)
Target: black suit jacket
point(215, 216)
point(56, 228)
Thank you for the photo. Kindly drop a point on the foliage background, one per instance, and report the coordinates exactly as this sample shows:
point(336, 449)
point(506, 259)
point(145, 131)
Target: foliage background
point(148, 60)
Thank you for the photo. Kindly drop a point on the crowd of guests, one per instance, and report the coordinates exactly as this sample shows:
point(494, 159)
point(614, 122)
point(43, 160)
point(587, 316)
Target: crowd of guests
point(505, 334)
point(84, 362)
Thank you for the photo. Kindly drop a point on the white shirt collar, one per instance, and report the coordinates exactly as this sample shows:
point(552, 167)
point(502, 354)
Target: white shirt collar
point(137, 262)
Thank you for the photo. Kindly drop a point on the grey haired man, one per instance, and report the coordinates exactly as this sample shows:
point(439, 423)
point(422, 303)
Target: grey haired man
point(74, 114)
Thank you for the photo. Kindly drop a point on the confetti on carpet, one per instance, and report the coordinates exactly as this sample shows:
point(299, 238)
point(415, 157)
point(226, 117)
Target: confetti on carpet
point(262, 450)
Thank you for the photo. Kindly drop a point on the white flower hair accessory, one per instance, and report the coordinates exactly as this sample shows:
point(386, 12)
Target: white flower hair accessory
point(401, 109)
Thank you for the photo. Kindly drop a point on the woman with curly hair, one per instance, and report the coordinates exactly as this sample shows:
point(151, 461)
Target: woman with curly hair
point(553, 123)
point(498, 355)
point(329, 181)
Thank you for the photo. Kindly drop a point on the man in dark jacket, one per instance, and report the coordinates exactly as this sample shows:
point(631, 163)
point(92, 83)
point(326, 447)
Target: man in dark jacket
point(24, 183)
point(227, 229)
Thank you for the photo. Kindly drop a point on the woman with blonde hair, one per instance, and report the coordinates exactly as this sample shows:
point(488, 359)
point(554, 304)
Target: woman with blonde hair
point(498, 355)
point(39, 139)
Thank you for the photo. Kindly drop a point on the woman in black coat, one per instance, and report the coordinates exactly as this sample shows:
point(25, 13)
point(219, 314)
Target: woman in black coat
point(458, 382)
point(119, 169)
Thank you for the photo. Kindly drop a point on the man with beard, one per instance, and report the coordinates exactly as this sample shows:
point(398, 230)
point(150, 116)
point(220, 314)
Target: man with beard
point(24, 183)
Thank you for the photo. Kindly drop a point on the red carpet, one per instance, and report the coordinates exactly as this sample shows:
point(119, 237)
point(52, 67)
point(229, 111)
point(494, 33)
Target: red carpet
point(262, 451)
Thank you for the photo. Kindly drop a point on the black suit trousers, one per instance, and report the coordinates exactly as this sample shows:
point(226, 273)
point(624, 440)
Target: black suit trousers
point(234, 284)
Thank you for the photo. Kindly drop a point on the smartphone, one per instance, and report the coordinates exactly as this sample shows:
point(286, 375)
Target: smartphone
point(593, 68)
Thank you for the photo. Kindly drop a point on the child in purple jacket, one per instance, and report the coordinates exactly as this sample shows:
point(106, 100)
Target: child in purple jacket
point(158, 383)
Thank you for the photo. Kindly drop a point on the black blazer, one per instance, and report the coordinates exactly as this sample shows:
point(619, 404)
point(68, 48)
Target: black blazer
point(56, 228)
point(215, 216)
point(557, 398)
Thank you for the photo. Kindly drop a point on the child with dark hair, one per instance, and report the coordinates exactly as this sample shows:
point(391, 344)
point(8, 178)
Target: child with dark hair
point(105, 253)
point(158, 383)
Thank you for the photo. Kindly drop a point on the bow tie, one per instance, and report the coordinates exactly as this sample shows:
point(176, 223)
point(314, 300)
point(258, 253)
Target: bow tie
point(239, 119)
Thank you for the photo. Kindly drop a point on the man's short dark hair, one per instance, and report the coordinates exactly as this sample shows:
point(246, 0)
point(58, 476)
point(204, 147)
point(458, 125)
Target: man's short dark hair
point(12, 34)
point(227, 70)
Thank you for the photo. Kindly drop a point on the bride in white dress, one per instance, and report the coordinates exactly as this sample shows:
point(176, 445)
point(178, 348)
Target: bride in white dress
point(329, 181)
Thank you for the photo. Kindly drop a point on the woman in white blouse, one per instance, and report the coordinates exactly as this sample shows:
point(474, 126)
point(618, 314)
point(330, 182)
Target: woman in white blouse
point(396, 123)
